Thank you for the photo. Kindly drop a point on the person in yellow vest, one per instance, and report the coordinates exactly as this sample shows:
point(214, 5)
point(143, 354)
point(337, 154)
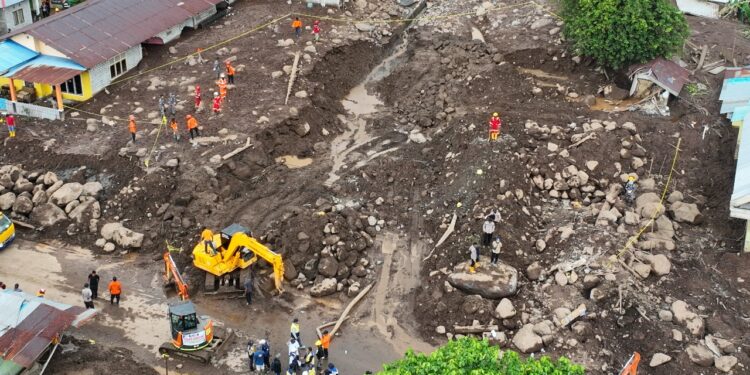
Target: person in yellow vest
point(207, 236)
point(294, 331)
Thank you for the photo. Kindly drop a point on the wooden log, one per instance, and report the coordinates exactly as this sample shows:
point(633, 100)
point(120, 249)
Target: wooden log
point(292, 77)
point(238, 150)
point(445, 235)
point(349, 308)
point(475, 329)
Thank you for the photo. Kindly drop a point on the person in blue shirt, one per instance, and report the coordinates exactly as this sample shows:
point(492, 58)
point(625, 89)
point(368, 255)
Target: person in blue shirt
point(258, 357)
point(332, 370)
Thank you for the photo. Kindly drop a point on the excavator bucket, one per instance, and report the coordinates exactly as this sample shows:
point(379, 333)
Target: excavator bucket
point(631, 367)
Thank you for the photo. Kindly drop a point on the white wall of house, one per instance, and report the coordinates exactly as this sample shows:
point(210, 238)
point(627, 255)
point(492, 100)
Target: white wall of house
point(101, 75)
point(15, 16)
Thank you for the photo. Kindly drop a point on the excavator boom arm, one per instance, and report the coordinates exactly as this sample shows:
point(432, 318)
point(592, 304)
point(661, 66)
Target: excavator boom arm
point(241, 240)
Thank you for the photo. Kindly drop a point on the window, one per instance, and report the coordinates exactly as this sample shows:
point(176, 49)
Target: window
point(118, 68)
point(18, 17)
point(73, 86)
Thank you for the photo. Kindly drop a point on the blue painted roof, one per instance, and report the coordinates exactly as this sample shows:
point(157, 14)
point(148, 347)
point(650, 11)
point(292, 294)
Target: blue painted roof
point(740, 113)
point(11, 2)
point(12, 54)
point(45, 60)
point(735, 89)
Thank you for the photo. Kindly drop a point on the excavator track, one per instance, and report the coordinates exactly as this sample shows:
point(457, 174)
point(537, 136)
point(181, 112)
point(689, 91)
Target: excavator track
point(213, 350)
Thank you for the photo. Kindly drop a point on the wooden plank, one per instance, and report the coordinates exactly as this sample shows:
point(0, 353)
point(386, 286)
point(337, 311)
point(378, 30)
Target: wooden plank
point(704, 53)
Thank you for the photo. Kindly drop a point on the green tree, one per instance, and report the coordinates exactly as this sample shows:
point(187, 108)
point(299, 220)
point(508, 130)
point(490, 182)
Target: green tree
point(468, 356)
point(617, 33)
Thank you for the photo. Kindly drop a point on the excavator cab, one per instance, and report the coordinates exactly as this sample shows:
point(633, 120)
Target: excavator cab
point(226, 238)
point(189, 331)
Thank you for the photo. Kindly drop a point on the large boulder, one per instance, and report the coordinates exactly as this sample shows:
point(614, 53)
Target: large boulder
point(92, 189)
point(324, 288)
point(492, 281)
point(66, 194)
point(23, 185)
point(122, 236)
point(87, 210)
point(692, 321)
point(328, 266)
point(700, 355)
point(526, 340)
point(7, 200)
point(48, 178)
point(23, 205)
point(47, 214)
point(648, 205)
point(686, 213)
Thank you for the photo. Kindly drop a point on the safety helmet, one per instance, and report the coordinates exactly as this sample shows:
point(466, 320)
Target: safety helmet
point(318, 343)
point(316, 22)
point(495, 114)
point(40, 292)
point(188, 116)
point(222, 75)
point(132, 117)
point(197, 87)
point(216, 93)
point(631, 178)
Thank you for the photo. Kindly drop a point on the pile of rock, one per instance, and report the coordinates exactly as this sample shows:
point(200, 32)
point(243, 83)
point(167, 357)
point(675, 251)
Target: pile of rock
point(46, 200)
point(335, 259)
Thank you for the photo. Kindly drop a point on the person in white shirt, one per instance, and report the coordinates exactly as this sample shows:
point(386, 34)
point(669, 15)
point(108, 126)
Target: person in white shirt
point(496, 247)
point(86, 293)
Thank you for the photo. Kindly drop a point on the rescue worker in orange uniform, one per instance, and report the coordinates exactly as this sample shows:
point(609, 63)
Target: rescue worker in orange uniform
point(175, 133)
point(217, 103)
point(325, 343)
point(495, 124)
point(131, 127)
point(115, 289)
point(230, 73)
point(222, 83)
point(192, 125)
point(297, 26)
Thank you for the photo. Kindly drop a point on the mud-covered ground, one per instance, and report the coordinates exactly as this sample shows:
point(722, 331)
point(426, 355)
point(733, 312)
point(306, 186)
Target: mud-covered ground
point(383, 166)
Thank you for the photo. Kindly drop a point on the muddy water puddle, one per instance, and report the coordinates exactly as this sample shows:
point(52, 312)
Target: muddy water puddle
point(361, 106)
point(293, 161)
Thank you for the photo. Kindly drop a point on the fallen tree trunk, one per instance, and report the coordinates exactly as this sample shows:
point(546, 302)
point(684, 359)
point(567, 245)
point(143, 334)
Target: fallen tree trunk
point(475, 329)
point(349, 308)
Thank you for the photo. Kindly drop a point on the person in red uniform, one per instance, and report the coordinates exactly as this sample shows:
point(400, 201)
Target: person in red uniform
point(495, 124)
point(197, 97)
point(11, 122)
point(316, 30)
point(217, 103)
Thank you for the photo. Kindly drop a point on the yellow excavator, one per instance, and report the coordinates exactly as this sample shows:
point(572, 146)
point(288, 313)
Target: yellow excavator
point(235, 249)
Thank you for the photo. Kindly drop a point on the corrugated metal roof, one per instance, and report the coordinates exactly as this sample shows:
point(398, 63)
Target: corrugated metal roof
point(46, 69)
point(12, 54)
point(664, 73)
point(97, 30)
point(29, 324)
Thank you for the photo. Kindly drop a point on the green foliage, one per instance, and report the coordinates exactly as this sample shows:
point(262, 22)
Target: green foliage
point(617, 33)
point(468, 356)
